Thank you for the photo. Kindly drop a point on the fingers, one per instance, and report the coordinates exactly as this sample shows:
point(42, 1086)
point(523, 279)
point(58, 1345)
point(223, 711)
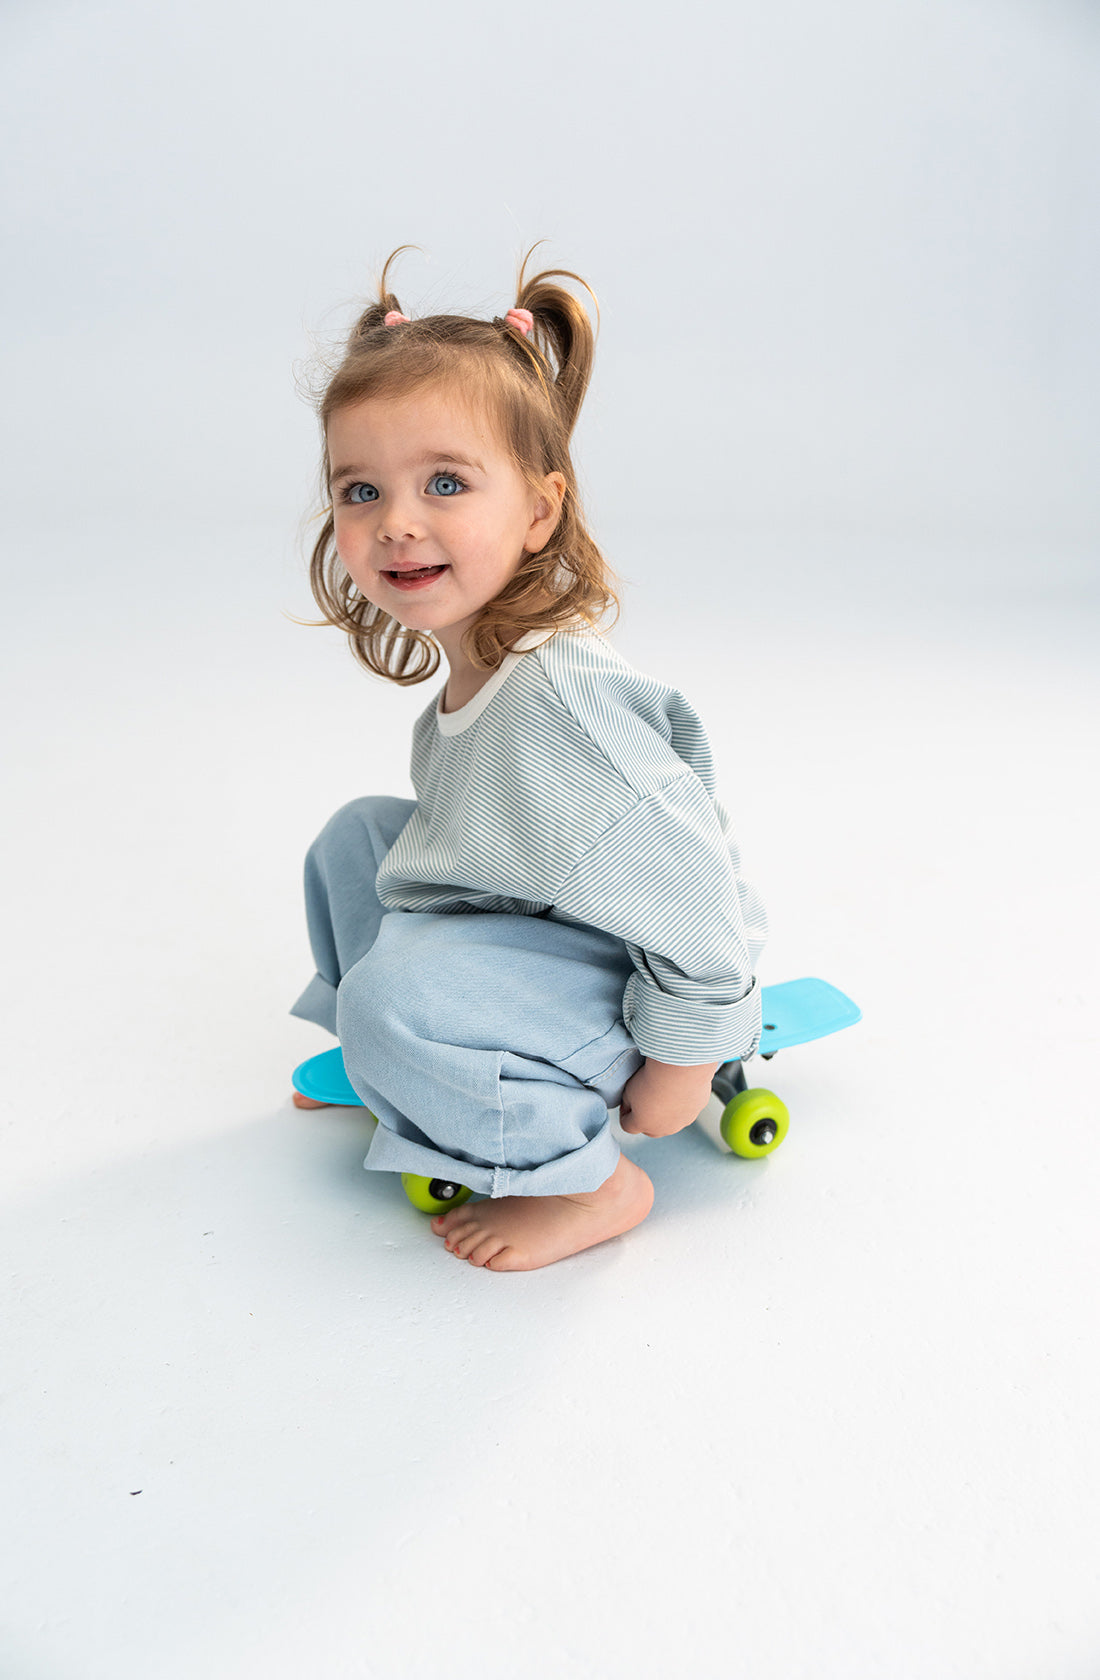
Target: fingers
point(653, 1130)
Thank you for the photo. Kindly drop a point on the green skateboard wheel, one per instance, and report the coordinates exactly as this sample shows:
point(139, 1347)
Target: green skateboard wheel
point(434, 1195)
point(754, 1122)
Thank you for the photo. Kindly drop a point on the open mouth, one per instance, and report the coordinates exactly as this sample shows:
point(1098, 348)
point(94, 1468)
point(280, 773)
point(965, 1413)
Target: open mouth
point(422, 575)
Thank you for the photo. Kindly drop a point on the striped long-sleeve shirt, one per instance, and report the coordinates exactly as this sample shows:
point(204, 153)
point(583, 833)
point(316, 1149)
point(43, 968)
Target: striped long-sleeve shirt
point(574, 786)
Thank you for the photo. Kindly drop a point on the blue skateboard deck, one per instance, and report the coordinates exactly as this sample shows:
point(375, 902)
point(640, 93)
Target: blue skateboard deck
point(323, 1078)
point(795, 1012)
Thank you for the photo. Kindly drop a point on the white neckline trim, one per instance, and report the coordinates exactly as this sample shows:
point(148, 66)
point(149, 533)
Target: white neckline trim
point(453, 723)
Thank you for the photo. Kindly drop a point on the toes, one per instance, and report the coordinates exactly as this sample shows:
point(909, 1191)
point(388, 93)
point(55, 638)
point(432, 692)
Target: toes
point(482, 1252)
point(453, 1229)
point(467, 1237)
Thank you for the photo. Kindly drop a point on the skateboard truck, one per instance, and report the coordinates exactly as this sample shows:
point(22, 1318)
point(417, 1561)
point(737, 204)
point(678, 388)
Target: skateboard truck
point(755, 1121)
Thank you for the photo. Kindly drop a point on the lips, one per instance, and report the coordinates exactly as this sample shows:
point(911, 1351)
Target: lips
point(414, 577)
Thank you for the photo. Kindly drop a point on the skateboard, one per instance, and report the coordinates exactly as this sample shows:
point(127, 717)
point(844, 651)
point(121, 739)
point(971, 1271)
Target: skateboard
point(754, 1121)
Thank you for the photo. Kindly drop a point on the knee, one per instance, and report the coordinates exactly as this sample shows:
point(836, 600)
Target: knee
point(397, 982)
point(374, 819)
point(362, 996)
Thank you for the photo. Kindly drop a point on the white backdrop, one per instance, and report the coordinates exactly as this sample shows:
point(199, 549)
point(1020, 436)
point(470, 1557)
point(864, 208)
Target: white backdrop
point(828, 1415)
point(847, 260)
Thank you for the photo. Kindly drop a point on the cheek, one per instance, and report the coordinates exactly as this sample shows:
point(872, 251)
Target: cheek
point(351, 552)
point(504, 535)
point(350, 537)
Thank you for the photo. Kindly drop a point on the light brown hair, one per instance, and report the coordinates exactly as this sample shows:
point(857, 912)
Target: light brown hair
point(530, 389)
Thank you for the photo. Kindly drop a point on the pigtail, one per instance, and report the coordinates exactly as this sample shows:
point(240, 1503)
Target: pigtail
point(562, 333)
point(375, 313)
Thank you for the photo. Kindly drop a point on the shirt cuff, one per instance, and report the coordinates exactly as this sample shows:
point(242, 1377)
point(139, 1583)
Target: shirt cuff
point(686, 1033)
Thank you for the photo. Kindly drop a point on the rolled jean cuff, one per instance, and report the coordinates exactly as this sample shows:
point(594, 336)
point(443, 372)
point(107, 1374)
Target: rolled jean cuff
point(686, 1033)
point(581, 1169)
point(318, 1004)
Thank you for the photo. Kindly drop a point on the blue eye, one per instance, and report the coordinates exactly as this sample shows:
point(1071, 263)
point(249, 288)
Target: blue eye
point(450, 485)
point(371, 494)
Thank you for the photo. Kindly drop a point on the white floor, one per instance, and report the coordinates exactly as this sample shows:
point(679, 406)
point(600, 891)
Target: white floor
point(832, 1414)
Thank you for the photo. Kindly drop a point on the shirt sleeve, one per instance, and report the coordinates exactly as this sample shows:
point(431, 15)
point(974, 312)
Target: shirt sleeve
point(662, 879)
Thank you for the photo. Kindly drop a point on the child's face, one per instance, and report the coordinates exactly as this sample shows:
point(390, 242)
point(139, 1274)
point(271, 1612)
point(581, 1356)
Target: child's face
point(419, 481)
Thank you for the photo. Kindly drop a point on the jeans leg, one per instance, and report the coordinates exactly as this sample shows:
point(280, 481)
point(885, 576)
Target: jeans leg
point(491, 1048)
point(343, 912)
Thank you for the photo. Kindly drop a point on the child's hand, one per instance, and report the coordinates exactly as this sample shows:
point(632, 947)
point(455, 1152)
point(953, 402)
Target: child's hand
point(656, 1104)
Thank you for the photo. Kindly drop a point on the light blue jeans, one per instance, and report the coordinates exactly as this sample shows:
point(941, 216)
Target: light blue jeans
point(491, 1047)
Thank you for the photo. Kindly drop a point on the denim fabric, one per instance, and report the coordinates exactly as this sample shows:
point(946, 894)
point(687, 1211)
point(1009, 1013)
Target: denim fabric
point(490, 1046)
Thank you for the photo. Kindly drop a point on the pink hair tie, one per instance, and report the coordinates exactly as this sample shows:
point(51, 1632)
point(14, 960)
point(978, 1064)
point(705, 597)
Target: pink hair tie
point(394, 319)
point(521, 319)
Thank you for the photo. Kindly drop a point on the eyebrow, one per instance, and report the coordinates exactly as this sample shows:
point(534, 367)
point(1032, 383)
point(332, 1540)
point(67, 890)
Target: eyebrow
point(424, 460)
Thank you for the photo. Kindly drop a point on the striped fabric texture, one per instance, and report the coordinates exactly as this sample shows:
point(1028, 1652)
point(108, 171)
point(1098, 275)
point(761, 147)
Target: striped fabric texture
point(575, 787)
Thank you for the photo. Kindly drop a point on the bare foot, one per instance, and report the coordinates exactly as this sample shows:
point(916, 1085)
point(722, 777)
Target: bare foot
point(299, 1101)
point(518, 1233)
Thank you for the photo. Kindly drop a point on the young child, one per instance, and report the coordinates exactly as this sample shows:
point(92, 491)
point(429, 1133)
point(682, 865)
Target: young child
point(557, 925)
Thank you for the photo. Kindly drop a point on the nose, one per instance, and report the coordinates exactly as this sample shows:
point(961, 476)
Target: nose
point(400, 521)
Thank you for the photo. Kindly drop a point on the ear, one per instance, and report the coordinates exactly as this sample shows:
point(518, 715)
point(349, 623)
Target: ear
point(547, 512)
